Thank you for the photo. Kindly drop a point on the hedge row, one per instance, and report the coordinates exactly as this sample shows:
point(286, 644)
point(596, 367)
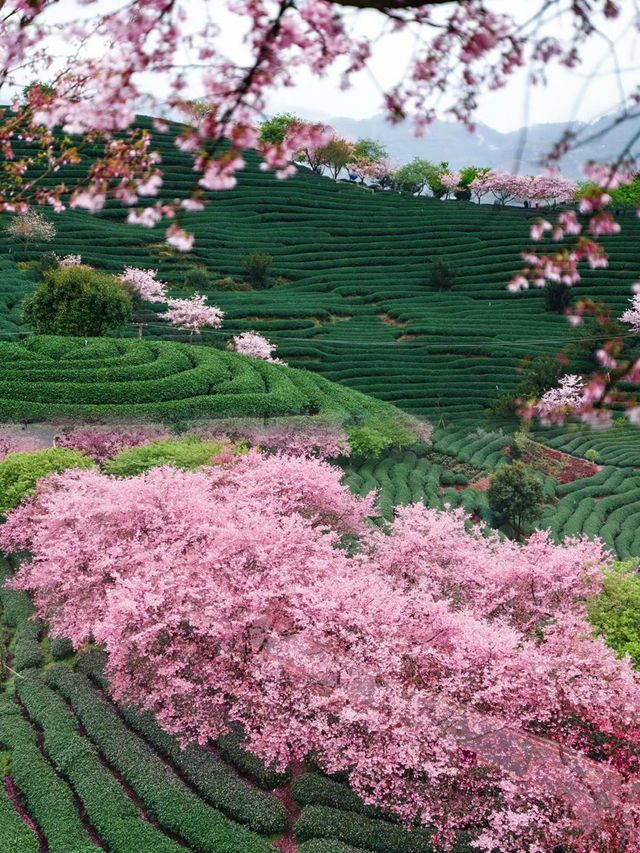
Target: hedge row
point(213, 779)
point(166, 797)
point(17, 611)
point(15, 835)
point(111, 812)
point(47, 797)
point(363, 832)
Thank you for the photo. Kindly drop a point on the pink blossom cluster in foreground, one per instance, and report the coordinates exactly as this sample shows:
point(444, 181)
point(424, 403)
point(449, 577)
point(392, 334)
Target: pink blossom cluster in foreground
point(441, 669)
point(256, 345)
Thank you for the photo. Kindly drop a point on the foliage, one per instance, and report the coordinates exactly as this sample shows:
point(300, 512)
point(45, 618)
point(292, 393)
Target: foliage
point(374, 437)
point(556, 296)
point(615, 611)
point(441, 275)
point(186, 453)
point(515, 494)
point(370, 149)
point(197, 278)
point(274, 130)
point(257, 267)
point(413, 177)
point(592, 455)
point(510, 633)
point(77, 301)
point(20, 472)
point(47, 261)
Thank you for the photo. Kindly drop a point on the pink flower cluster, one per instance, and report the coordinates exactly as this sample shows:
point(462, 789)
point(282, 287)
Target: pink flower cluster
point(192, 314)
point(145, 283)
point(451, 675)
point(15, 440)
point(254, 344)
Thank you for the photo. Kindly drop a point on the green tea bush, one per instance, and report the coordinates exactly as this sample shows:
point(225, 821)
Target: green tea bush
point(20, 472)
point(187, 453)
point(174, 805)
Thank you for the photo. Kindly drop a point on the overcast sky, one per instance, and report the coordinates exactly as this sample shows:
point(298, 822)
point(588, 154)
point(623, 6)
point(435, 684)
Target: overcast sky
point(578, 93)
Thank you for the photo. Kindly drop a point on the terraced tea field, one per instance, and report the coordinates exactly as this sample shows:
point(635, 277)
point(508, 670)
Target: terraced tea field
point(352, 304)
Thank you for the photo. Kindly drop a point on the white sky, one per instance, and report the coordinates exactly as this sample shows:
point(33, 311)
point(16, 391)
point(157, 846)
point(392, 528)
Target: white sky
point(572, 94)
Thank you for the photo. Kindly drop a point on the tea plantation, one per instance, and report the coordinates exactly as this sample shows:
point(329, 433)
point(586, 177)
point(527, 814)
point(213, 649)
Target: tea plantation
point(351, 307)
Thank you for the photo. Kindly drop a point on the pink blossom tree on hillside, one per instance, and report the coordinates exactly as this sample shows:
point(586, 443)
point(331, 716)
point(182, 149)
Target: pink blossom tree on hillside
point(254, 344)
point(193, 313)
point(452, 676)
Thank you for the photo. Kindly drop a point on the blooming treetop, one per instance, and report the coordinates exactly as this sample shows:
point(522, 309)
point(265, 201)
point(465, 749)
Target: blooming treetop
point(145, 283)
point(31, 225)
point(434, 665)
point(193, 314)
point(254, 344)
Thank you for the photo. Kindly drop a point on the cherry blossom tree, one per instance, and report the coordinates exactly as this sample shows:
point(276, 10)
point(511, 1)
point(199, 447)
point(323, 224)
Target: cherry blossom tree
point(193, 314)
point(451, 675)
point(145, 283)
point(31, 227)
point(465, 47)
point(450, 181)
point(254, 344)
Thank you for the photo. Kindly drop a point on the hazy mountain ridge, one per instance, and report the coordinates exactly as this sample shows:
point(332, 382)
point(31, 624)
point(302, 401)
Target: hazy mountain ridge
point(488, 147)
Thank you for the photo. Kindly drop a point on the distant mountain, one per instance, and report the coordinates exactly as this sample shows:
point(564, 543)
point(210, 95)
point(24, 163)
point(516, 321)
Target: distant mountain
point(488, 147)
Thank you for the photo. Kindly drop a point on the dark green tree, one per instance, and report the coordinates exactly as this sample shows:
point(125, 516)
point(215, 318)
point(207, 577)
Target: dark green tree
point(413, 177)
point(540, 374)
point(257, 267)
point(556, 296)
point(515, 495)
point(77, 301)
point(441, 274)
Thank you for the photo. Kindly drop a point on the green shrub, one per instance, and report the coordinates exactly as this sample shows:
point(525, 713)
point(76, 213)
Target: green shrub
point(197, 279)
point(173, 804)
point(453, 478)
point(358, 831)
point(232, 750)
point(187, 453)
point(257, 267)
point(323, 845)
point(61, 648)
point(20, 472)
point(376, 435)
point(592, 455)
point(441, 275)
point(229, 283)
point(47, 797)
point(515, 494)
point(77, 301)
point(556, 296)
point(47, 262)
point(615, 611)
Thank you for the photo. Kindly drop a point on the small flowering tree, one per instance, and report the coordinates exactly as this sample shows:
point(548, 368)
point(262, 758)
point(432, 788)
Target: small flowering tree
point(254, 344)
point(145, 284)
point(31, 227)
point(192, 314)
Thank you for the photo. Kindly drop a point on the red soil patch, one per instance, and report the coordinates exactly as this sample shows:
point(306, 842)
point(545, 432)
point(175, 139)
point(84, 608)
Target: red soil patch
point(407, 337)
point(566, 468)
point(286, 843)
point(391, 321)
point(481, 485)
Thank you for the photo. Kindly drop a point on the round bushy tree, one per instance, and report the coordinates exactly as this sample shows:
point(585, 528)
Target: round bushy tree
point(515, 494)
point(78, 301)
